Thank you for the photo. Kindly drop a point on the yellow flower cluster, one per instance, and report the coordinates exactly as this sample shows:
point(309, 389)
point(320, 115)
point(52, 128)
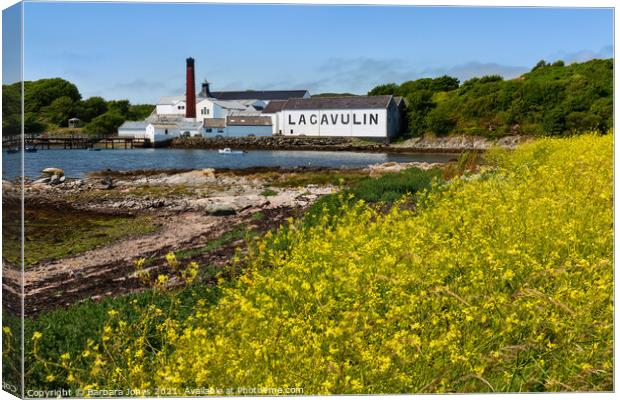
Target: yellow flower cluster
point(498, 281)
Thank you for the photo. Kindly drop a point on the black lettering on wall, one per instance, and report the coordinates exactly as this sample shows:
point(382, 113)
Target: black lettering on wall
point(374, 119)
point(334, 118)
point(355, 121)
point(290, 120)
point(324, 120)
point(345, 121)
point(313, 119)
point(302, 119)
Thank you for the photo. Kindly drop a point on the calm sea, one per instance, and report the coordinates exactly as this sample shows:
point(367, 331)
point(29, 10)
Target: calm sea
point(78, 162)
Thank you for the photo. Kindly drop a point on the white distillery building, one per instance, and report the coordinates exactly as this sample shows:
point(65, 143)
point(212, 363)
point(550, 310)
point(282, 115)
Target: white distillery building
point(376, 117)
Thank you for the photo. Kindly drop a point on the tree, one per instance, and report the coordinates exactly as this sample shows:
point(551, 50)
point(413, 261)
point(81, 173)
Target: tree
point(419, 105)
point(581, 122)
point(490, 78)
point(440, 121)
point(41, 93)
point(119, 106)
point(104, 124)
point(32, 124)
point(554, 122)
point(91, 108)
point(540, 64)
point(11, 110)
point(139, 111)
point(388, 88)
point(444, 84)
point(59, 112)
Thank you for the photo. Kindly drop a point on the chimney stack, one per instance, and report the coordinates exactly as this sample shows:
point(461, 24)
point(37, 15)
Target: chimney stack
point(190, 91)
point(205, 92)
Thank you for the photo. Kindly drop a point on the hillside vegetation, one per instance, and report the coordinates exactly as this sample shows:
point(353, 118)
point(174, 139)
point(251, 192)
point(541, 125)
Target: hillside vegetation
point(500, 280)
point(49, 103)
point(551, 100)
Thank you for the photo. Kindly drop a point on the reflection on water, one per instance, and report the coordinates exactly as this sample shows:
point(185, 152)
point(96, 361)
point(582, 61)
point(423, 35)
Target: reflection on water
point(78, 162)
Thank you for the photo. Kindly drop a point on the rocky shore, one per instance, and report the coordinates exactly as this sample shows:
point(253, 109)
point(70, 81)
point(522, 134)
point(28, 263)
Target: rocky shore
point(191, 211)
point(451, 144)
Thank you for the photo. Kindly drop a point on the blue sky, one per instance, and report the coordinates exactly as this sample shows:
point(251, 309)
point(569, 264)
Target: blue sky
point(137, 51)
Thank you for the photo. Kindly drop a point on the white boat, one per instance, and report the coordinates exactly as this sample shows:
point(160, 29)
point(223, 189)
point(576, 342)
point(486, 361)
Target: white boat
point(227, 150)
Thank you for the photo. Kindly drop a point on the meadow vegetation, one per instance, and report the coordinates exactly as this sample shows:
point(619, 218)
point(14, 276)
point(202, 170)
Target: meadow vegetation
point(552, 99)
point(500, 279)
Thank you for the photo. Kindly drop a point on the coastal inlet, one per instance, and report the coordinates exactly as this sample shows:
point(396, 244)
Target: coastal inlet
point(77, 163)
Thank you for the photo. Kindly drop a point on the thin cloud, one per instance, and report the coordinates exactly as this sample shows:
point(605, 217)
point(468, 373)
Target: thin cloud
point(583, 55)
point(477, 69)
point(359, 75)
point(139, 84)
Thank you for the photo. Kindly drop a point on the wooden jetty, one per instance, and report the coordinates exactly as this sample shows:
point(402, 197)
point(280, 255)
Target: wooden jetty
point(76, 142)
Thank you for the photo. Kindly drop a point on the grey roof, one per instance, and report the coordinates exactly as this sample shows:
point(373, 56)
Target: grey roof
point(134, 125)
point(248, 112)
point(274, 106)
point(259, 94)
point(327, 103)
point(215, 122)
point(171, 99)
point(189, 125)
point(229, 104)
point(248, 120)
point(172, 118)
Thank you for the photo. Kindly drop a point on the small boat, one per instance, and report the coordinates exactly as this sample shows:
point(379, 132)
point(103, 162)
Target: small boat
point(94, 149)
point(30, 149)
point(12, 151)
point(227, 150)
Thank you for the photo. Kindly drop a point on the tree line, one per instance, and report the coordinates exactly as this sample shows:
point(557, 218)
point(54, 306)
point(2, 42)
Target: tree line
point(50, 103)
point(553, 99)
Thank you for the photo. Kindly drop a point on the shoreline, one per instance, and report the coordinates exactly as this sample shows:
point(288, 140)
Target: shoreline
point(448, 145)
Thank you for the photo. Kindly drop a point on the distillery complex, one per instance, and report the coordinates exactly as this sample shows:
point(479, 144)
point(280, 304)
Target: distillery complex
point(266, 113)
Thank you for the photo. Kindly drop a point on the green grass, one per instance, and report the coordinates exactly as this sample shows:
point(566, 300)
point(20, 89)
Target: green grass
point(141, 192)
point(328, 177)
point(268, 192)
point(257, 216)
point(214, 244)
point(67, 330)
point(384, 189)
point(53, 234)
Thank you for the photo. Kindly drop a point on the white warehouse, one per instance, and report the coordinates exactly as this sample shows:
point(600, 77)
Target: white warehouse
point(376, 117)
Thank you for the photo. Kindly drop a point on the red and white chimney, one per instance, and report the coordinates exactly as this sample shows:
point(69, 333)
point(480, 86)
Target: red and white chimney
point(190, 90)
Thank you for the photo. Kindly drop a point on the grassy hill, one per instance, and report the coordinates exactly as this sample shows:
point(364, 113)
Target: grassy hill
point(552, 99)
